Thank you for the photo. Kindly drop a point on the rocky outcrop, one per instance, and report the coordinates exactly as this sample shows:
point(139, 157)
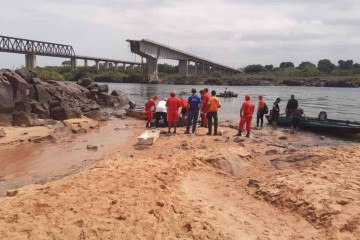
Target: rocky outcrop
point(25, 98)
point(6, 101)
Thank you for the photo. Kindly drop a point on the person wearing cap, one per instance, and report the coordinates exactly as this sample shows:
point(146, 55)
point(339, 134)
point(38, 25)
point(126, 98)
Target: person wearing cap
point(149, 108)
point(194, 103)
point(275, 113)
point(246, 114)
point(161, 113)
point(213, 107)
point(205, 107)
point(173, 104)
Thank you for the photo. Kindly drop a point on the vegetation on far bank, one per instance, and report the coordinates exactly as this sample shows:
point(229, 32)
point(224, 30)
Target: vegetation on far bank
point(325, 73)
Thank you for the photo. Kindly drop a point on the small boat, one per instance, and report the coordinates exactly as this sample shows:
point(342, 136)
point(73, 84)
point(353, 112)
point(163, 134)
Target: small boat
point(315, 124)
point(148, 137)
point(136, 113)
point(227, 94)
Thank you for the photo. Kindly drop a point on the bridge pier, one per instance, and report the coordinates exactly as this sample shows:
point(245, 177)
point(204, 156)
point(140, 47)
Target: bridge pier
point(184, 68)
point(151, 64)
point(30, 61)
point(106, 65)
point(97, 66)
point(85, 62)
point(73, 63)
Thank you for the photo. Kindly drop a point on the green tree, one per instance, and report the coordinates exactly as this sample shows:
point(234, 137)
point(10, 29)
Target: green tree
point(254, 68)
point(304, 64)
point(269, 67)
point(286, 65)
point(345, 65)
point(326, 66)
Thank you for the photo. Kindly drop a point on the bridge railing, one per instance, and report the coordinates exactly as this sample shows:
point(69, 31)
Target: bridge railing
point(25, 46)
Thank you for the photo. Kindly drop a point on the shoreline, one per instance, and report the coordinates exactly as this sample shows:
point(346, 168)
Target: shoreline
point(198, 186)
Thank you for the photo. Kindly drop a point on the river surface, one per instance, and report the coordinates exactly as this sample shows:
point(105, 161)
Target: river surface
point(339, 103)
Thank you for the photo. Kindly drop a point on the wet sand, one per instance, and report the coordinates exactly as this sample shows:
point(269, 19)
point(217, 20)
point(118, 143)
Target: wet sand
point(45, 161)
point(275, 185)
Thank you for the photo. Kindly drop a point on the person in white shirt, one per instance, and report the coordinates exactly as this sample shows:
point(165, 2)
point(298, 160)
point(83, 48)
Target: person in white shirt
point(161, 112)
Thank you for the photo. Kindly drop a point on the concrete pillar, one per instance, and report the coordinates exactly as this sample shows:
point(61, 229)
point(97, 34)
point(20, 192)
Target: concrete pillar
point(85, 63)
point(132, 66)
point(30, 61)
point(73, 63)
point(151, 64)
point(124, 66)
point(116, 65)
point(184, 68)
point(203, 68)
point(196, 68)
point(106, 65)
point(97, 66)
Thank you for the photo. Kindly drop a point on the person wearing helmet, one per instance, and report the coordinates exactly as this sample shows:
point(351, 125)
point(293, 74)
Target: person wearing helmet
point(246, 114)
point(149, 109)
point(205, 107)
point(173, 104)
point(296, 118)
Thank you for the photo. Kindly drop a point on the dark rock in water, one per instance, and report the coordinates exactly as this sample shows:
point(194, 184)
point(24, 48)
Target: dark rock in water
point(2, 133)
point(41, 109)
point(21, 118)
point(92, 147)
point(6, 101)
point(26, 74)
point(103, 88)
point(96, 115)
point(18, 84)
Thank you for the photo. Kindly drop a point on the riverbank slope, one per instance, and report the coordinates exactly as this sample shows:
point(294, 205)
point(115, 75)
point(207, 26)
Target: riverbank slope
point(276, 185)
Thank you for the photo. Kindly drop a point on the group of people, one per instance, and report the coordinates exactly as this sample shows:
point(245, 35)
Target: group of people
point(206, 105)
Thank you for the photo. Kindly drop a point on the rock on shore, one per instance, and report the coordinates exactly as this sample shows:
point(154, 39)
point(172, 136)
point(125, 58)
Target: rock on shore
point(24, 99)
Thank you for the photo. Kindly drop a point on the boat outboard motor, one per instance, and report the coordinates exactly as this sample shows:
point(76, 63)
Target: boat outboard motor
point(132, 105)
point(322, 116)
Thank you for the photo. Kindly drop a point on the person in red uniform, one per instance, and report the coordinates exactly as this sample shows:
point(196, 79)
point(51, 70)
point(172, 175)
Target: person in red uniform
point(205, 107)
point(246, 114)
point(149, 110)
point(173, 104)
point(184, 110)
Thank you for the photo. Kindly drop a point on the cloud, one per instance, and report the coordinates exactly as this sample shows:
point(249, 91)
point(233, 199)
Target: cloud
point(228, 31)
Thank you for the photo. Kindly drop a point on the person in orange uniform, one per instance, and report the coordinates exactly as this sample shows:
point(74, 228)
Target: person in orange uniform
point(261, 111)
point(213, 107)
point(184, 110)
point(173, 104)
point(246, 114)
point(149, 110)
point(205, 107)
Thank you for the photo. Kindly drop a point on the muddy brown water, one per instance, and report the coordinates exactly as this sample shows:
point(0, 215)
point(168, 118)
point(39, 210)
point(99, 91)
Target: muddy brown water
point(42, 162)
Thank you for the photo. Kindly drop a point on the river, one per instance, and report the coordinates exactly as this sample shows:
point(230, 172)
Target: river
point(339, 103)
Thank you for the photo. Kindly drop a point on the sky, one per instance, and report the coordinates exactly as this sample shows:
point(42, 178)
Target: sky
point(232, 32)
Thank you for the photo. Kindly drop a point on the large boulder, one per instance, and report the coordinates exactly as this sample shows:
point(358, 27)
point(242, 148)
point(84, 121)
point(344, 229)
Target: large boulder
point(86, 82)
point(104, 88)
point(21, 118)
point(40, 109)
point(122, 99)
point(6, 101)
point(26, 74)
point(18, 84)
